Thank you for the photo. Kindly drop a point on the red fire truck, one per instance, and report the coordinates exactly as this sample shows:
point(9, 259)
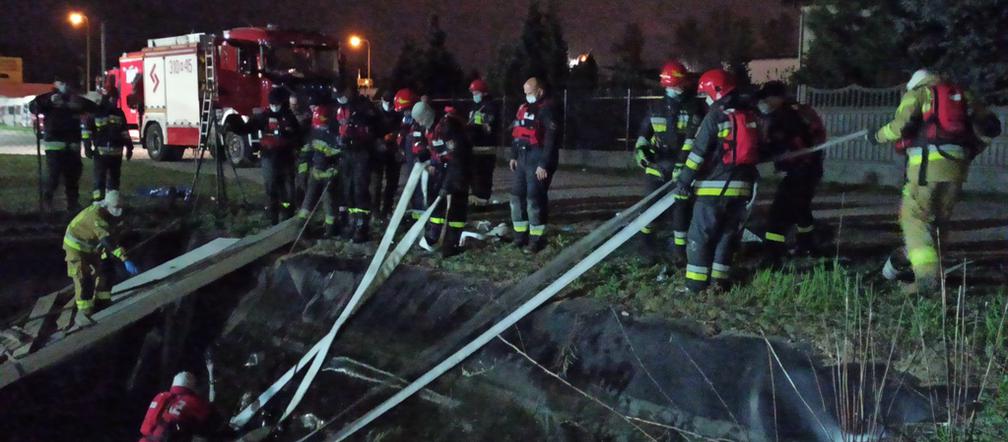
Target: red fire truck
point(162, 86)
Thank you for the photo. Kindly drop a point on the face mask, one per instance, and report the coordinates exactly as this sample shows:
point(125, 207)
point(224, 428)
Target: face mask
point(386, 105)
point(673, 92)
point(531, 98)
point(763, 107)
point(343, 100)
point(62, 88)
point(709, 100)
point(275, 107)
point(477, 98)
point(114, 211)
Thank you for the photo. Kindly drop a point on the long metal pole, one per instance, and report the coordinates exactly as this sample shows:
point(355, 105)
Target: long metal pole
point(368, 61)
point(627, 128)
point(103, 65)
point(87, 58)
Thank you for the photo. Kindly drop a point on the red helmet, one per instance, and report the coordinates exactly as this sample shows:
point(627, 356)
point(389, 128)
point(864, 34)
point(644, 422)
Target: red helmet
point(320, 117)
point(403, 100)
point(479, 85)
point(716, 83)
point(673, 74)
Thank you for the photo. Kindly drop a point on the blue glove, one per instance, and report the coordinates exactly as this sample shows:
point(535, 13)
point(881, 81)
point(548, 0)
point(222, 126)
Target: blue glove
point(131, 268)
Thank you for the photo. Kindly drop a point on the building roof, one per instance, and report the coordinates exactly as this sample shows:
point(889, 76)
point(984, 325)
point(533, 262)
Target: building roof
point(15, 90)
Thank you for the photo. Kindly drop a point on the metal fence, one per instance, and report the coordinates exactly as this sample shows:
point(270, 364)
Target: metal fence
point(611, 123)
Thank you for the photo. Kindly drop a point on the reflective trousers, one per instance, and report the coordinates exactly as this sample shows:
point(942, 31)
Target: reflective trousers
point(385, 168)
point(92, 278)
point(792, 206)
point(65, 164)
point(924, 215)
point(678, 218)
point(278, 177)
point(712, 239)
point(529, 195)
point(107, 173)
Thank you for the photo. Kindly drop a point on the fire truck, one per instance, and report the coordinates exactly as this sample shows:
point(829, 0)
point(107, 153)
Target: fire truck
point(172, 89)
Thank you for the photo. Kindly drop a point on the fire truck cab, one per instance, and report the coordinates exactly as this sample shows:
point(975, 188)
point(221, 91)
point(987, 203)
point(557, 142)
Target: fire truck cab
point(162, 86)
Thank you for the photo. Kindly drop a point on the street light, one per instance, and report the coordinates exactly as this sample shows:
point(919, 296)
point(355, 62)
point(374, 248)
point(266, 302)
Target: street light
point(355, 42)
point(76, 19)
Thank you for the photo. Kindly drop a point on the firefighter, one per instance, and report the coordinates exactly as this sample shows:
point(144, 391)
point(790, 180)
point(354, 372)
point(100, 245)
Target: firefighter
point(59, 113)
point(409, 133)
point(358, 124)
point(387, 160)
point(789, 126)
point(482, 128)
point(417, 145)
point(450, 168)
point(303, 114)
point(940, 130)
point(104, 134)
point(180, 413)
point(534, 158)
point(663, 142)
point(720, 171)
point(322, 179)
point(90, 239)
point(278, 131)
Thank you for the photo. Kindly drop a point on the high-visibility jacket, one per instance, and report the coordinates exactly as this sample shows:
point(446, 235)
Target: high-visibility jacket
point(60, 116)
point(106, 131)
point(706, 169)
point(667, 132)
point(93, 231)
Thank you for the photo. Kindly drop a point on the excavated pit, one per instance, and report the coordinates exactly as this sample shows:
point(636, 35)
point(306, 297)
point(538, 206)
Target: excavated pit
point(257, 322)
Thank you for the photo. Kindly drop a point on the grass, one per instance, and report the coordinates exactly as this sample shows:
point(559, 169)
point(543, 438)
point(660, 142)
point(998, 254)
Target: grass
point(19, 183)
point(4, 127)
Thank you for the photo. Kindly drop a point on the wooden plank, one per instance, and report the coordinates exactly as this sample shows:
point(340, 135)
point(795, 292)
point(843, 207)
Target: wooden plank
point(41, 312)
point(173, 265)
point(158, 294)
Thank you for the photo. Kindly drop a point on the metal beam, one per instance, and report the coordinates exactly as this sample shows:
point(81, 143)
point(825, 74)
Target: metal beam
point(149, 297)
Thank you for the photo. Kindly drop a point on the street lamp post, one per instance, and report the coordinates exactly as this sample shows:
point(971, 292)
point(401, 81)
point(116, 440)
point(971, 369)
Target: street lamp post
point(76, 19)
point(355, 42)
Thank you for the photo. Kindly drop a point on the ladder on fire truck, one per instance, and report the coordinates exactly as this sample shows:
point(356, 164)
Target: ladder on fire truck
point(209, 123)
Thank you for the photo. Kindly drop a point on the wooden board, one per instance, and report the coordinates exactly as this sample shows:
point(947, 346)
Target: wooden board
point(173, 265)
point(159, 293)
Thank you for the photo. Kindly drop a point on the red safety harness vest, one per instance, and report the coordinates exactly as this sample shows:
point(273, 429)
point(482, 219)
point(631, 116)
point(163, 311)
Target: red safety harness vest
point(741, 145)
point(528, 130)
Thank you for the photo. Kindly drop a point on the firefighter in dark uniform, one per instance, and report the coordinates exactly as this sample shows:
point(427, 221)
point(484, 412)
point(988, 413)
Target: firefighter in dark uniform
point(387, 160)
point(407, 132)
point(534, 158)
point(357, 125)
point(790, 126)
point(303, 113)
point(417, 144)
point(482, 130)
point(59, 113)
point(721, 172)
point(665, 139)
point(323, 158)
point(279, 132)
point(181, 413)
point(104, 134)
point(450, 168)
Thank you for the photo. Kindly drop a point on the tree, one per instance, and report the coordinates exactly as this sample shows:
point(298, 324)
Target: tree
point(964, 40)
point(432, 69)
point(777, 38)
point(541, 51)
point(629, 70)
point(854, 42)
point(701, 50)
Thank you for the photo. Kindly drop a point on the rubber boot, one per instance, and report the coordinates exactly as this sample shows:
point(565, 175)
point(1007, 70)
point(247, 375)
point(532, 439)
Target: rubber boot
point(536, 243)
point(432, 233)
point(521, 239)
point(331, 231)
point(677, 253)
point(451, 242)
point(649, 252)
point(344, 225)
point(804, 244)
point(897, 267)
point(361, 228)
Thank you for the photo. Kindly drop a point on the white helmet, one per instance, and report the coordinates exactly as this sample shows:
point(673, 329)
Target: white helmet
point(424, 114)
point(917, 78)
point(184, 379)
point(112, 203)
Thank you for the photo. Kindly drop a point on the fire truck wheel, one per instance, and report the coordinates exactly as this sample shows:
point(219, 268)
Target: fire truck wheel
point(238, 149)
point(154, 142)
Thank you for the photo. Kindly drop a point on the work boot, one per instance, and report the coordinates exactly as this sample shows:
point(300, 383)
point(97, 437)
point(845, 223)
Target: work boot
point(897, 267)
point(345, 226)
point(536, 243)
point(330, 231)
point(451, 247)
point(521, 239)
point(677, 253)
point(361, 230)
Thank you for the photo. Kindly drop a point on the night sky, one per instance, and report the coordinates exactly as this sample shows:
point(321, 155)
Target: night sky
point(37, 30)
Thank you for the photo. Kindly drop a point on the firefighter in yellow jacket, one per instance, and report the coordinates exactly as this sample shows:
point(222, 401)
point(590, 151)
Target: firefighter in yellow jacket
point(89, 239)
point(940, 130)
